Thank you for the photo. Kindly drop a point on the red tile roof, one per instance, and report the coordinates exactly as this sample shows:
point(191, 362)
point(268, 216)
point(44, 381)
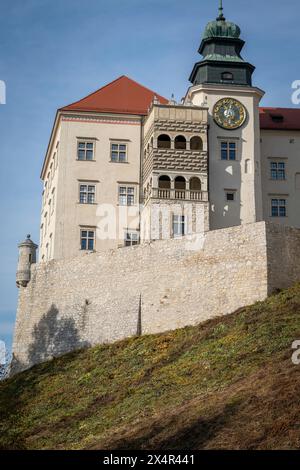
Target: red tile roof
point(280, 118)
point(125, 96)
point(122, 96)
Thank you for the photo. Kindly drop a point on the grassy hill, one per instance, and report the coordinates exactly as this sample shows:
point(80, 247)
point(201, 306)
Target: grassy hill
point(227, 383)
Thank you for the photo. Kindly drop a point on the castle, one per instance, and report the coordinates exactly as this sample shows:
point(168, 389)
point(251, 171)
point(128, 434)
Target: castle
point(214, 180)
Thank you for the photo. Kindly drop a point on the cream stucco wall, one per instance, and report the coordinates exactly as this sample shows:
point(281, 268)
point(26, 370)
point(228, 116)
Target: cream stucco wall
point(51, 176)
point(70, 216)
point(281, 146)
point(63, 216)
point(243, 175)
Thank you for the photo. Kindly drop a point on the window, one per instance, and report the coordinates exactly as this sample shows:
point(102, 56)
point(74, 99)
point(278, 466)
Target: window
point(278, 207)
point(119, 153)
point(180, 183)
point(50, 247)
point(277, 117)
point(53, 199)
point(227, 76)
point(57, 147)
point(45, 223)
point(51, 172)
point(87, 239)
point(195, 184)
point(164, 142)
point(126, 196)
point(278, 170)
point(87, 193)
point(228, 150)
point(50, 211)
point(196, 143)
point(85, 151)
point(178, 225)
point(164, 182)
point(230, 196)
point(42, 233)
point(131, 238)
point(180, 142)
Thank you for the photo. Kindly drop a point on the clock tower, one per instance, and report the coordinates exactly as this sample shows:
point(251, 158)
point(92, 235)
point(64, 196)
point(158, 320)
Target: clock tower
point(222, 82)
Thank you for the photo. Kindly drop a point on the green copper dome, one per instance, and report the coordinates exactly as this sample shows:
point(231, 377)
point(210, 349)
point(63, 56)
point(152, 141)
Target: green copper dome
point(220, 28)
point(221, 61)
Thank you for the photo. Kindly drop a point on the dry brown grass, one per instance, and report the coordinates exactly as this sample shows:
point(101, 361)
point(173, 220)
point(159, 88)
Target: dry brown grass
point(226, 384)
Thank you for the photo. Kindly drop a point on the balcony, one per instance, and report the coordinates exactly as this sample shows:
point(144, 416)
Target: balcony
point(179, 194)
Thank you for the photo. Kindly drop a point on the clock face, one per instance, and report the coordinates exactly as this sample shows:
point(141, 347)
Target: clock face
point(229, 113)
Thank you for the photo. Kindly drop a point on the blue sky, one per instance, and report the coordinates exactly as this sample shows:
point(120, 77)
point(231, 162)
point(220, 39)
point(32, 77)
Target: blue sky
point(53, 52)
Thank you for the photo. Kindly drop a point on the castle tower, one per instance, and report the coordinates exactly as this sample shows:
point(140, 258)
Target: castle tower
point(27, 256)
point(221, 50)
point(222, 81)
point(174, 171)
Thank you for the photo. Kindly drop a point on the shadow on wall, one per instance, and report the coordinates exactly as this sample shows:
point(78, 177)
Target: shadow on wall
point(52, 337)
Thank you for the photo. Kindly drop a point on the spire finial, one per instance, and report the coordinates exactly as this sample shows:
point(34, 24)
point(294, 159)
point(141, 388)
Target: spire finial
point(221, 16)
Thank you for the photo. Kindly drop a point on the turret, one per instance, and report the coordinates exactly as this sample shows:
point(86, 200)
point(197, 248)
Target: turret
point(222, 62)
point(27, 256)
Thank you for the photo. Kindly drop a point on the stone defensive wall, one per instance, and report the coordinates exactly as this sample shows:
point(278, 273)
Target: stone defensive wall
point(164, 285)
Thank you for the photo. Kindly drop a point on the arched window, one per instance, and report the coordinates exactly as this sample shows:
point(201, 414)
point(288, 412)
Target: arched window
point(180, 142)
point(195, 184)
point(164, 182)
point(227, 76)
point(180, 182)
point(164, 142)
point(196, 143)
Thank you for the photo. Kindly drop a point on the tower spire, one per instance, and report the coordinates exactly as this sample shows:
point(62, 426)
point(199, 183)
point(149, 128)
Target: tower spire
point(221, 16)
point(221, 48)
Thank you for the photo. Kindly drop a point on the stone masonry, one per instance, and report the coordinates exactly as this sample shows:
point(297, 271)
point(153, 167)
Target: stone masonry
point(168, 284)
